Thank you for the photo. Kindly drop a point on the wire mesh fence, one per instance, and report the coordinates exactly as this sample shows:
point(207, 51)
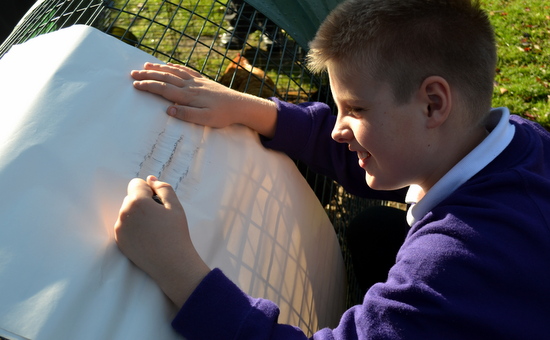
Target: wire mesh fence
point(228, 41)
point(209, 36)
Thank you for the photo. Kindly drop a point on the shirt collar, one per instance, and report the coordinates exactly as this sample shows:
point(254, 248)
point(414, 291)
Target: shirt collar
point(497, 140)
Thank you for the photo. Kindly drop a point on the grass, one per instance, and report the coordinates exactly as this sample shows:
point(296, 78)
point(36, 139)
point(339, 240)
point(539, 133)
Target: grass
point(158, 24)
point(522, 82)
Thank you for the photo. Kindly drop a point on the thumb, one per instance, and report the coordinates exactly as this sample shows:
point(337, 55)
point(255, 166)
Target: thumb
point(164, 191)
point(200, 116)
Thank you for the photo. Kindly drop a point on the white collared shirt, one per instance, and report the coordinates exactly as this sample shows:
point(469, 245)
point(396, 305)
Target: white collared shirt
point(497, 140)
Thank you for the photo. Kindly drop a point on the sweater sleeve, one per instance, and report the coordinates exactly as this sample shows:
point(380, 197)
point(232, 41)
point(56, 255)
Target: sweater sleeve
point(218, 309)
point(422, 299)
point(303, 132)
point(448, 283)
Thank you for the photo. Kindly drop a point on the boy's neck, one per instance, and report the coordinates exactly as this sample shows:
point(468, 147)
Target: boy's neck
point(457, 141)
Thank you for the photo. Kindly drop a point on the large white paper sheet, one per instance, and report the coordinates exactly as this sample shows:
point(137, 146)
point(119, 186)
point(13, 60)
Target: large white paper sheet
point(73, 132)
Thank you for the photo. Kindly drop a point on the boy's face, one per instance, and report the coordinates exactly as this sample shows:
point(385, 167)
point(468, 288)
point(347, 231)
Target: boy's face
point(389, 138)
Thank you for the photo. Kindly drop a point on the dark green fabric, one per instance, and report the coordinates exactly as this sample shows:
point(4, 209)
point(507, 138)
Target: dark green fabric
point(299, 18)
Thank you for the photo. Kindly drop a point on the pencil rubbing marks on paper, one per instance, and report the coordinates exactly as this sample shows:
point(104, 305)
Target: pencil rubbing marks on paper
point(171, 155)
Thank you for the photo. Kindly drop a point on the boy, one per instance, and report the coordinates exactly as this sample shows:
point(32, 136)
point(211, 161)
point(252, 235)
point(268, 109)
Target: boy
point(412, 80)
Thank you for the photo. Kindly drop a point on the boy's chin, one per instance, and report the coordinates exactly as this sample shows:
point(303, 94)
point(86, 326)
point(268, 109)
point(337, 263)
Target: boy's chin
point(377, 183)
point(373, 182)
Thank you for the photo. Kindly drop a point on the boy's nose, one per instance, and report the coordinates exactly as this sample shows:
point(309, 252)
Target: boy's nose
point(341, 132)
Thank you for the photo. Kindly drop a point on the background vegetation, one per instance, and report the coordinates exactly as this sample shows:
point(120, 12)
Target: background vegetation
point(522, 83)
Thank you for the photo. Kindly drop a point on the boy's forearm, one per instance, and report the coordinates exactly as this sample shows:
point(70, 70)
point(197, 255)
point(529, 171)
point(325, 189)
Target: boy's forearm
point(259, 114)
point(180, 281)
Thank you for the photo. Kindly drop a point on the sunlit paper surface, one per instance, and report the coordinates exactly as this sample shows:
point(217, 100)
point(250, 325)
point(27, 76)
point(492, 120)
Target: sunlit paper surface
point(73, 133)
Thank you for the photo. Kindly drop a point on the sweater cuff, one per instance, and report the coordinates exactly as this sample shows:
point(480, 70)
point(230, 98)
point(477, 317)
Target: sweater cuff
point(218, 309)
point(293, 121)
point(207, 307)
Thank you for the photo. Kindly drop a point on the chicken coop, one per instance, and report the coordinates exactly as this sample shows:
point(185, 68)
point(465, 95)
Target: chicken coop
point(258, 47)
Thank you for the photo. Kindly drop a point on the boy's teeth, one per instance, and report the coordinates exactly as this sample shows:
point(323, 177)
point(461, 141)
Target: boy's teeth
point(363, 155)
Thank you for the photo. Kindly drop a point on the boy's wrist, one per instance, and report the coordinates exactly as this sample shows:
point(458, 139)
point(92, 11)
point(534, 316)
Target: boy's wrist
point(259, 114)
point(179, 284)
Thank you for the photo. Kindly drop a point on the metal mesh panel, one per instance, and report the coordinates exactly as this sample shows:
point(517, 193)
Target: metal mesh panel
point(229, 42)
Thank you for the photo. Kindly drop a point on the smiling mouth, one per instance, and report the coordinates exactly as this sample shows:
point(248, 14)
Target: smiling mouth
point(363, 155)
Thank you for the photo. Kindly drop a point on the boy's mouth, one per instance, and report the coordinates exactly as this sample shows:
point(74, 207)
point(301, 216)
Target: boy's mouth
point(363, 156)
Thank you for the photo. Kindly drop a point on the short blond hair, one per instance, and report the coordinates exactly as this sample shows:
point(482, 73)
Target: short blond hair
point(403, 42)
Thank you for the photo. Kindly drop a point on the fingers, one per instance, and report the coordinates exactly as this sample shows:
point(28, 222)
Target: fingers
point(138, 192)
point(190, 71)
point(200, 116)
point(197, 99)
point(178, 71)
point(158, 76)
point(166, 90)
point(168, 81)
point(163, 190)
point(139, 206)
point(138, 188)
point(190, 114)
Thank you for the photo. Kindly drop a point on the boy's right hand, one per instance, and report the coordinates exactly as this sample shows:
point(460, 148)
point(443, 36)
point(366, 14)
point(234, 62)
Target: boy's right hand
point(155, 237)
point(203, 101)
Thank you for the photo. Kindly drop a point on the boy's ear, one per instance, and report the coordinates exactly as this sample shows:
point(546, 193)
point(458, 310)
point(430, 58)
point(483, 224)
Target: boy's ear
point(436, 97)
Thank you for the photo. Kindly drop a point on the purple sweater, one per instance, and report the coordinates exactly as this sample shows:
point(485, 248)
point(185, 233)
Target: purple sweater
point(475, 267)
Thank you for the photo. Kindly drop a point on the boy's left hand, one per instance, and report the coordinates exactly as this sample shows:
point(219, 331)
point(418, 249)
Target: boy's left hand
point(202, 101)
point(197, 99)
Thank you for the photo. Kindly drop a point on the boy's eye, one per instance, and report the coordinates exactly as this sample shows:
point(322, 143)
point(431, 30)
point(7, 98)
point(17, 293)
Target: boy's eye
point(355, 111)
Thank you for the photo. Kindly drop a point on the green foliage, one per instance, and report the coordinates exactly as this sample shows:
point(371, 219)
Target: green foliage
point(522, 30)
point(158, 26)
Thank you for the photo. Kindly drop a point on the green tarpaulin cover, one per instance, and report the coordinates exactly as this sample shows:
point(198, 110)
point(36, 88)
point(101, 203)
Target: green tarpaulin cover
point(299, 18)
